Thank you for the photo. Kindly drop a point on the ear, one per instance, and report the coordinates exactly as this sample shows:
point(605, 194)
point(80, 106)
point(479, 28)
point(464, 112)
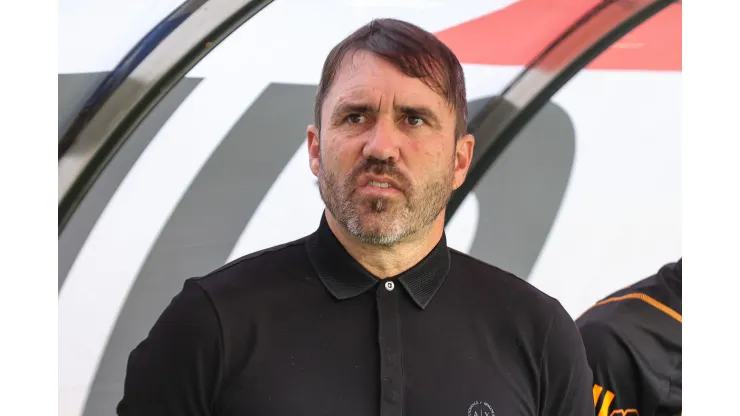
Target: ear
point(312, 134)
point(463, 157)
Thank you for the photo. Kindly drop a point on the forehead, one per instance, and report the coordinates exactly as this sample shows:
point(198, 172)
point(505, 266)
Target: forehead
point(363, 75)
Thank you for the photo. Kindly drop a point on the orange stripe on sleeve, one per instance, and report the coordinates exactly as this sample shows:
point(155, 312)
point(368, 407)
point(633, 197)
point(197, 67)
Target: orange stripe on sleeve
point(645, 298)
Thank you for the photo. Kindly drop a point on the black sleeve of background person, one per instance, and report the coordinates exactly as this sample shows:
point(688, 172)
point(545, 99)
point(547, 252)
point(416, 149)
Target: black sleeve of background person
point(565, 377)
point(613, 367)
point(174, 371)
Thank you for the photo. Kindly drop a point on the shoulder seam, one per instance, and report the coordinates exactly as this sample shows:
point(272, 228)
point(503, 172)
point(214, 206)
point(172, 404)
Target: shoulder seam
point(643, 297)
point(483, 263)
point(469, 257)
point(505, 274)
point(253, 256)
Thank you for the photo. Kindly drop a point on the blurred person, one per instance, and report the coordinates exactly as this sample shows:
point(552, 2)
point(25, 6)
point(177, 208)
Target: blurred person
point(372, 313)
point(633, 343)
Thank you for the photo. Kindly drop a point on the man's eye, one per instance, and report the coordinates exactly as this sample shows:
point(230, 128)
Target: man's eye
point(356, 118)
point(414, 120)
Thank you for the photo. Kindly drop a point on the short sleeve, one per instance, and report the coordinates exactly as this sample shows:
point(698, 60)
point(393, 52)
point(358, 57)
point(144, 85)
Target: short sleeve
point(565, 376)
point(175, 369)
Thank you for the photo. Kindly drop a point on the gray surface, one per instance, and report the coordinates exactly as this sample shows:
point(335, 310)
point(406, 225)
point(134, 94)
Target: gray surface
point(84, 218)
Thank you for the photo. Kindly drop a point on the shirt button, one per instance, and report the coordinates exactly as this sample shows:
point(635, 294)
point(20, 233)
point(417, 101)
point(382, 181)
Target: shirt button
point(389, 286)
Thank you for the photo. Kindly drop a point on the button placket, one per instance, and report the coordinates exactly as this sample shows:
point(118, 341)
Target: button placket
point(389, 339)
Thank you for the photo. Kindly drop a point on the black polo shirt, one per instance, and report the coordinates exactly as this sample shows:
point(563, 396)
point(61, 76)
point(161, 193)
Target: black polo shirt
point(633, 342)
point(303, 329)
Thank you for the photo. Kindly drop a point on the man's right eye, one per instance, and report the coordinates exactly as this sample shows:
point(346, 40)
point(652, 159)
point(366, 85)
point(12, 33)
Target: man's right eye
point(356, 118)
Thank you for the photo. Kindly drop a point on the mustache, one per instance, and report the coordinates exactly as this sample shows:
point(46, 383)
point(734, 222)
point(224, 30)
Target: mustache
point(381, 167)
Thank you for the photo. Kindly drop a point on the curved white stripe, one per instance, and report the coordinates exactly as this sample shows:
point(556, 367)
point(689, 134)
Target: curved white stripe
point(103, 273)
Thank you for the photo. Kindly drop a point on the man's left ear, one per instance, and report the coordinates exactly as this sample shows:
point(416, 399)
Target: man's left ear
point(312, 134)
point(463, 158)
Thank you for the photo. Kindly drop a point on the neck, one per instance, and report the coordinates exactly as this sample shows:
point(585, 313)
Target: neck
point(389, 261)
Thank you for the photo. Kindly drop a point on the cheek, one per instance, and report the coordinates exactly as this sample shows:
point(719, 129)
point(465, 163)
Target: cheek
point(415, 147)
point(423, 151)
point(426, 153)
point(340, 155)
point(427, 162)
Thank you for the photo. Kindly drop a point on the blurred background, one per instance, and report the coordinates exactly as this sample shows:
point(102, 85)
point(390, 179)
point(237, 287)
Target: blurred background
point(182, 146)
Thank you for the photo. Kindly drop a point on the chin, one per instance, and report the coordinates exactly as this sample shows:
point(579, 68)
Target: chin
point(379, 229)
point(378, 237)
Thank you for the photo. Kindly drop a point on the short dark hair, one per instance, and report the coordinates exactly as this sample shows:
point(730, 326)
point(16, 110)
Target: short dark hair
point(413, 50)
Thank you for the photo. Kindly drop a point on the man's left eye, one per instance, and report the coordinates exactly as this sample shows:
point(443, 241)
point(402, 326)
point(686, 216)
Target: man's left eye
point(415, 121)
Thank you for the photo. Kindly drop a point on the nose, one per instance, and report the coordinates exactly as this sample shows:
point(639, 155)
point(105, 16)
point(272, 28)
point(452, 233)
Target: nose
point(383, 141)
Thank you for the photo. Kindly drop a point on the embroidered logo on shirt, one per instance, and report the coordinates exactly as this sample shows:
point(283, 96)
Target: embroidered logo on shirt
point(480, 409)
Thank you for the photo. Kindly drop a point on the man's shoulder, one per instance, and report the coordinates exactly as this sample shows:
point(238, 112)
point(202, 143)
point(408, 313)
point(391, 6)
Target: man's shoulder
point(502, 285)
point(258, 266)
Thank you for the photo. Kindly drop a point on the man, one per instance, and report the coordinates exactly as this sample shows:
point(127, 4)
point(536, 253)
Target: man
point(372, 314)
point(633, 342)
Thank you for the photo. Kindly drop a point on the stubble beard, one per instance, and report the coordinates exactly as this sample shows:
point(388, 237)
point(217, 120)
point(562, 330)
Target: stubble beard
point(383, 221)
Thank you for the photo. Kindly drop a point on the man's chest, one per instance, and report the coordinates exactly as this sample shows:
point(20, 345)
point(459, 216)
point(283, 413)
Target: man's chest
point(331, 367)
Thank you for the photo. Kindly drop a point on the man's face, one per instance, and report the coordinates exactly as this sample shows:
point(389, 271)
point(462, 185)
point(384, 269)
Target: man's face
point(386, 158)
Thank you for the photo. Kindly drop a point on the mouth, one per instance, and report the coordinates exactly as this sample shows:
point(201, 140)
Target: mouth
point(379, 186)
point(376, 184)
point(378, 181)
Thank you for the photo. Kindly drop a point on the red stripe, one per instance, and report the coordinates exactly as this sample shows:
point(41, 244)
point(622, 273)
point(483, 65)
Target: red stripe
point(516, 34)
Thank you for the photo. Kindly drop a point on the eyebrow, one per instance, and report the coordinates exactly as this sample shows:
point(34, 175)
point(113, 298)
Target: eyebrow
point(349, 108)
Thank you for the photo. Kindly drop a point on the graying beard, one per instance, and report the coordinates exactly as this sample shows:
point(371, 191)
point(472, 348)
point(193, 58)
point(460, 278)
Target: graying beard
point(351, 219)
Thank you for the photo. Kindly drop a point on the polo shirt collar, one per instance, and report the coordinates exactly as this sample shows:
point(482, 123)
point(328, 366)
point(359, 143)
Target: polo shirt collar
point(345, 278)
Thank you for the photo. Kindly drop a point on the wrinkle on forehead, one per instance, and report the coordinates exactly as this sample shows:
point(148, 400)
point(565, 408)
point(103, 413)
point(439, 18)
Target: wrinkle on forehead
point(356, 60)
point(358, 63)
point(426, 70)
